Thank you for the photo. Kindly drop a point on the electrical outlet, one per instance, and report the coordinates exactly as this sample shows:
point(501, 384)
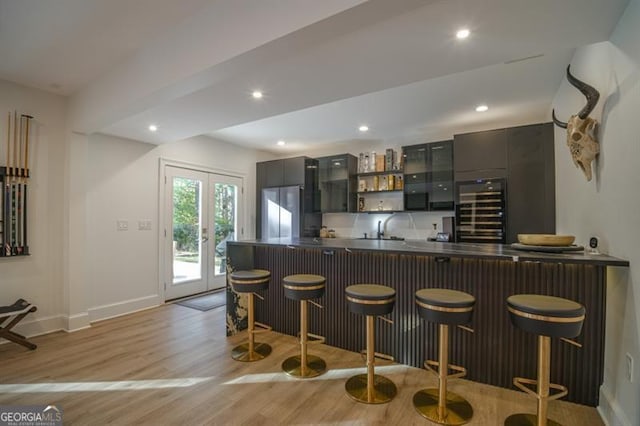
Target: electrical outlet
point(123, 225)
point(629, 367)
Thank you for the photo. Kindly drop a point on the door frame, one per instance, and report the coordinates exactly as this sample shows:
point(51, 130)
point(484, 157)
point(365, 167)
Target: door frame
point(162, 213)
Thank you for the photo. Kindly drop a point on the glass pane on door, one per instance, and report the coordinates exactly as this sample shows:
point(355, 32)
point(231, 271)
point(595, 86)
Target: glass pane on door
point(187, 220)
point(225, 222)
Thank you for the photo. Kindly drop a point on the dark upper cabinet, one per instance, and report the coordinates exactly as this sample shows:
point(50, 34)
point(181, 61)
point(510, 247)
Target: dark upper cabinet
point(296, 170)
point(337, 185)
point(286, 172)
point(428, 176)
point(416, 159)
point(530, 181)
point(273, 173)
point(480, 152)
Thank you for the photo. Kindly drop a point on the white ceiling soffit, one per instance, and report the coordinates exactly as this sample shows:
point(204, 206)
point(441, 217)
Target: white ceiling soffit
point(376, 46)
point(429, 110)
point(193, 55)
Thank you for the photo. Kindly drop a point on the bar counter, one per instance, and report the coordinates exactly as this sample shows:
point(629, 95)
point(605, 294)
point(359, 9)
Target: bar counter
point(494, 354)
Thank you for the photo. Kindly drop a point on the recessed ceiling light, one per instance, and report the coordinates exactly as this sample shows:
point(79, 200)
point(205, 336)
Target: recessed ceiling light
point(153, 127)
point(363, 128)
point(482, 108)
point(280, 143)
point(257, 94)
point(463, 33)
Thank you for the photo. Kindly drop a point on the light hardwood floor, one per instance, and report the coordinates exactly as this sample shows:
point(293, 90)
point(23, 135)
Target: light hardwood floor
point(171, 365)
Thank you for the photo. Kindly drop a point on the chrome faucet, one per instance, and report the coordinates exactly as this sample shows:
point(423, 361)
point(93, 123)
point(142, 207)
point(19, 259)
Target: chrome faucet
point(380, 233)
point(384, 226)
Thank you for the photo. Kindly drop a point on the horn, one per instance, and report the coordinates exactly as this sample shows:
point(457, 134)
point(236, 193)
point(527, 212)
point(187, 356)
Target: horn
point(558, 122)
point(589, 92)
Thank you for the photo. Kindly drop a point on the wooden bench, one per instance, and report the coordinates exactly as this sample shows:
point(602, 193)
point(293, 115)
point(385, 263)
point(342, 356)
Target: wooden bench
point(12, 315)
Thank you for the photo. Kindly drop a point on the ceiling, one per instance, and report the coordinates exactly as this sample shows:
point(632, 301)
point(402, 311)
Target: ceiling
point(325, 68)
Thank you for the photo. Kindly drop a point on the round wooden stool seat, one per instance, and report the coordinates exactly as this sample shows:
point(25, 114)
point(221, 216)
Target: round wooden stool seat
point(445, 306)
point(546, 315)
point(370, 299)
point(303, 286)
point(249, 281)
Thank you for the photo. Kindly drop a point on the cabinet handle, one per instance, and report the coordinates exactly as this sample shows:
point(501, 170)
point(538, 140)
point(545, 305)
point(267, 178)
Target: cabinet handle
point(291, 247)
point(328, 252)
point(442, 259)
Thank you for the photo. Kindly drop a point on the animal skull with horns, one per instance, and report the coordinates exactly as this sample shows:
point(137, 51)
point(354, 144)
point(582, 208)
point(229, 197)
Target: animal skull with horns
point(581, 129)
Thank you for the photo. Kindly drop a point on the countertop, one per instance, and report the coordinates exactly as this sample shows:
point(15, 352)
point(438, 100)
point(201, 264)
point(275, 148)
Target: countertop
point(487, 251)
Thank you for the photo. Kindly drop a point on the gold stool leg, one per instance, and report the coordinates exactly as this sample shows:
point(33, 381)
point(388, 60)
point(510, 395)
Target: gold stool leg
point(544, 366)
point(371, 388)
point(250, 351)
point(304, 365)
point(439, 405)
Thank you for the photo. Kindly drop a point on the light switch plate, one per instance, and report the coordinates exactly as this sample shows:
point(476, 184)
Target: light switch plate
point(144, 225)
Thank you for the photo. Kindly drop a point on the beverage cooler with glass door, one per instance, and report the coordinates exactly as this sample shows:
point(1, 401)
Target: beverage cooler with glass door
point(481, 211)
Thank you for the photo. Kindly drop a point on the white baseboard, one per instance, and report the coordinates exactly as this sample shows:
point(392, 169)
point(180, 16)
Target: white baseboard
point(112, 310)
point(610, 410)
point(39, 326)
point(77, 322)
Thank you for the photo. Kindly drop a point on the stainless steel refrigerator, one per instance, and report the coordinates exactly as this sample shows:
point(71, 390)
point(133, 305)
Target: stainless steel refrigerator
point(281, 212)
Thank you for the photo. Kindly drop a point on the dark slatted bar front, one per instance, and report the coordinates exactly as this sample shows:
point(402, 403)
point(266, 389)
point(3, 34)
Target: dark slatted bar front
point(494, 354)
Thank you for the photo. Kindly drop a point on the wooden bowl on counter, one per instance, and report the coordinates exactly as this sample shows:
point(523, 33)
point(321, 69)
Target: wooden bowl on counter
point(546, 240)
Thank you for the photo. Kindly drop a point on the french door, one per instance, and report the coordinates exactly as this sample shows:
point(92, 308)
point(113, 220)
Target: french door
point(202, 212)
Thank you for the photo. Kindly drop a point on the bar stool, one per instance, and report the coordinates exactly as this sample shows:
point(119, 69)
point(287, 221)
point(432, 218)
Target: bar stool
point(249, 282)
point(304, 287)
point(371, 300)
point(444, 307)
point(546, 316)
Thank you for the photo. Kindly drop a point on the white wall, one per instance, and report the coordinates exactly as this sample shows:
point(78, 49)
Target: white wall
point(123, 185)
point(38, 277)
point(608, 206)
point(80, 268)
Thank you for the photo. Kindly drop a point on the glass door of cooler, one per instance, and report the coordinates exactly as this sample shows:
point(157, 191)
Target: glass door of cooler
point(480, 211)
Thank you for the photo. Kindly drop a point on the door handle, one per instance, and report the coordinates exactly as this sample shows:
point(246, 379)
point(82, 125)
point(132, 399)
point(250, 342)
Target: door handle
point(205, 239)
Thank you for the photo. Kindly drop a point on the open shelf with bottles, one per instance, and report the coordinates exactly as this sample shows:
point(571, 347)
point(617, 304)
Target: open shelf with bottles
point(380, 182)
point(385, 201)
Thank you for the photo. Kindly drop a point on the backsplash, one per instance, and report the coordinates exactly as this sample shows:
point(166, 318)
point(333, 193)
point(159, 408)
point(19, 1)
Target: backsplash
point(408, 225)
